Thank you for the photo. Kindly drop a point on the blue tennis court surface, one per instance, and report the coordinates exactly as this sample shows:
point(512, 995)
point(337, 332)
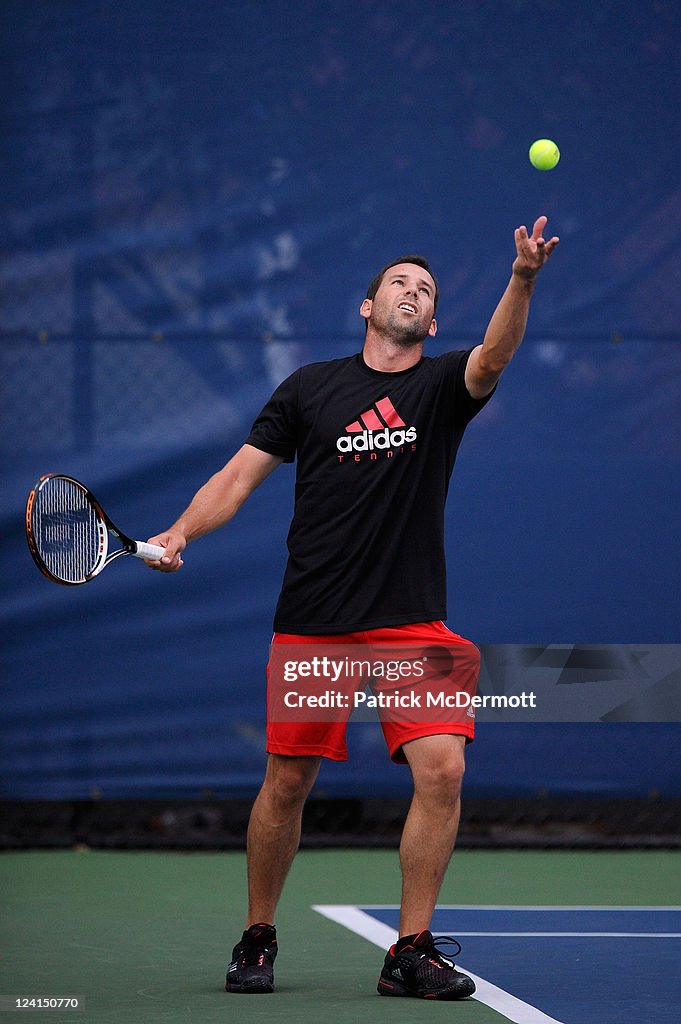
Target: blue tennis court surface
point(574, 965)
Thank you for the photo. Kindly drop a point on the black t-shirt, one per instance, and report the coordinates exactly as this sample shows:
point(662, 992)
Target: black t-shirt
point(375, 453)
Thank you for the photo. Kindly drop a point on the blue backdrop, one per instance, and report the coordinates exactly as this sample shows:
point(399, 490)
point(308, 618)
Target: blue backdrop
point(193, 203)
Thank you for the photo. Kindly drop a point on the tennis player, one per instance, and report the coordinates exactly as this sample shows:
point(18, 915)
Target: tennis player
point(375, 436)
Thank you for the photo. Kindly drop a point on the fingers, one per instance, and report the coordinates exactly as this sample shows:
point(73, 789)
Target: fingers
point(521, 239)
point(534, 249)
point(538, 229)
point(543, 247)
point(171, 560)
point(526, 247)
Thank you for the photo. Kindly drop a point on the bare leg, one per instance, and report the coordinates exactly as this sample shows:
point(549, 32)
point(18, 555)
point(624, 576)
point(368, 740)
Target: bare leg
point(274, 831)
point(437, 766)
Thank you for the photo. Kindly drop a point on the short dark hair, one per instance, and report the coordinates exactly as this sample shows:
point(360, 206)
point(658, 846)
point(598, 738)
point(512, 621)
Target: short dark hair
point(419, 261)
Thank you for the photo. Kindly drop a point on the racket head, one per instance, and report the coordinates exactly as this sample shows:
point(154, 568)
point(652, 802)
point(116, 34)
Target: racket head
point(66, 530)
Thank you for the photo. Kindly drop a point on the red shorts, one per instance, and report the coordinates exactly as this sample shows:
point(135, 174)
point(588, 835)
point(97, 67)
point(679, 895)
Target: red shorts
point(296, 737)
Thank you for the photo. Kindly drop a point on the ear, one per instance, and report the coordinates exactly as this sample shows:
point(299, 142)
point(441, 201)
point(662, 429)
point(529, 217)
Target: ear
point(432, 330)
point(365, 309)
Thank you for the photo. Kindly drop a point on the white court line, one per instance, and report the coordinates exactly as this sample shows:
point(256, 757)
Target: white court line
point(507, 906)
point(577, 935)
point(382, 935)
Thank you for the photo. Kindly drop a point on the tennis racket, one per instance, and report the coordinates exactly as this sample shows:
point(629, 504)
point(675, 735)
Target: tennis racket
point(68, 532)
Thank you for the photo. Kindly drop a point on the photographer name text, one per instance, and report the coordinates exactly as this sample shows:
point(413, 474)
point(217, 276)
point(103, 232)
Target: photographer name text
point(360, 699)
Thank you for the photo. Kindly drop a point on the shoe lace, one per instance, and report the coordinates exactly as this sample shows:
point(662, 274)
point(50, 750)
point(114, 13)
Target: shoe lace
point(252, 956)
point(441, 940)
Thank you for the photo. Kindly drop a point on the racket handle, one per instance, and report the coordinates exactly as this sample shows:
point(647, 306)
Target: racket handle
point(150, 551)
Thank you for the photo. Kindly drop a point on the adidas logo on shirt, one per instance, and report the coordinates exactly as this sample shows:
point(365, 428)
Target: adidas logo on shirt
point(379, 429)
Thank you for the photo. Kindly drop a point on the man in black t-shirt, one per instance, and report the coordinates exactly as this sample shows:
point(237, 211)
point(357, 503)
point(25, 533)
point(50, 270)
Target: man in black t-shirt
point(375, 436)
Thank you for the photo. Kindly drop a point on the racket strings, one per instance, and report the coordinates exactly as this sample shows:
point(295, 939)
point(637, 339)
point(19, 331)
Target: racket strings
point(67, 530)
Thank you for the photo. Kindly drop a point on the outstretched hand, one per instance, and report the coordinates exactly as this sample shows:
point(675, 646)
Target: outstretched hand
point(533, 250)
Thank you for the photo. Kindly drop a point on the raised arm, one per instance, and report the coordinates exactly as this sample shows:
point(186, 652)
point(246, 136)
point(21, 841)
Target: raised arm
point(506, 329)
point(215, 503)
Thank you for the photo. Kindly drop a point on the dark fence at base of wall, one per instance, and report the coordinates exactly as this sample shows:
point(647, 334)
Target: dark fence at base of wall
point(538, 822)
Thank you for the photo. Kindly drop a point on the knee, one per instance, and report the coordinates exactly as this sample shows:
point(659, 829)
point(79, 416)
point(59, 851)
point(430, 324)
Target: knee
point(290, 779)
point(441, 780)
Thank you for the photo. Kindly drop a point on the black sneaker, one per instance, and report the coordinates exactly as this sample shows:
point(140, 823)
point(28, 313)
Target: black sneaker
point(414, 966)
point(251, 969)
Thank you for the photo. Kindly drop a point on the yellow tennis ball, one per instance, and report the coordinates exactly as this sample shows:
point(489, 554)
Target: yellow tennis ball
point(544, 154)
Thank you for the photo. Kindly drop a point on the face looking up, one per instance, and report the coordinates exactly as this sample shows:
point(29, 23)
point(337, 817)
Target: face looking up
point(404, 305)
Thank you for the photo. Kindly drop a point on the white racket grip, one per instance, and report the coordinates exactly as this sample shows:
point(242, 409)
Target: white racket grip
point(152, 552)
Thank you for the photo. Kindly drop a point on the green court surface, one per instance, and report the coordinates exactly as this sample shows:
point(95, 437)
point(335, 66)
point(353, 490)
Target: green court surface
point(145, 937)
